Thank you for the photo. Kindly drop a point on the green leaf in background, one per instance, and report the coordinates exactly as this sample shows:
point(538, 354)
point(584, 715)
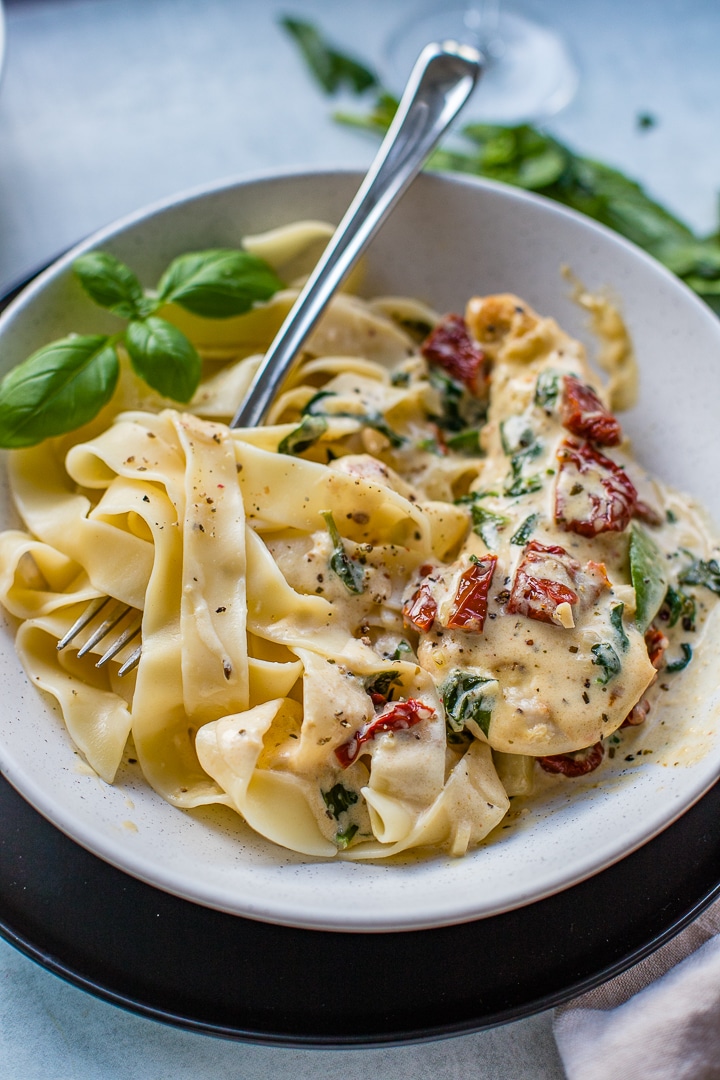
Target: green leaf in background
point(332, 69)
point(526, 157)
point(219, 283)
point(163, 357)
point(57, 389)
point(111, 284)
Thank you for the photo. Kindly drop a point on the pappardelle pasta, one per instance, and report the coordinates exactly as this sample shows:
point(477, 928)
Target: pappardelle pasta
point(366, 624)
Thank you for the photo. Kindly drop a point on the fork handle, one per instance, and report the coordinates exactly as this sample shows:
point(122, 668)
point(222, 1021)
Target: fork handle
point(439, 85)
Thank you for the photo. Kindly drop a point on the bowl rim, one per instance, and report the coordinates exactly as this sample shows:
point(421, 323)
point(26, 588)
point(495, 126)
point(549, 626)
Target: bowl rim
point(140, 867)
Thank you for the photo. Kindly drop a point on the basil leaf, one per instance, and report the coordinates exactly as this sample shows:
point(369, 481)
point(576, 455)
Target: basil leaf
point(112, 284)
point(605, 656)
point(464, 698)
point(218, 284)
point(616, 621)
point(305, 435)
point(339, 799)
point(679, 665)
point(648, 575)
point(700, 572)
point(60, 387)
point(350, 572)
point(163, 357)
point(332, 69)
point(524, 531)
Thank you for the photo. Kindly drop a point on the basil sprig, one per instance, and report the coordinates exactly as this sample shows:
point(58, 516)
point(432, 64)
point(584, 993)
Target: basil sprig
point(65, 384)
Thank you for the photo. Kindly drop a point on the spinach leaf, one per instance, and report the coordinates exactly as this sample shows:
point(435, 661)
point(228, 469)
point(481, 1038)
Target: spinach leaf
point(679, 605)
point(459, 409)
point(350, 572)
point(339, 799)
point(487, 525)
point(465, 442)
point(648, 575)
point(344, 838)
point(112, 284)
point(218, 284)
point(616, 621)
point(605, 657)
point(305, 435)
point(524, 531)
point(381, 683)
point(547, 389)
point(465, 698)
point(402, 652)
point(701, 572)
point(57, 389)
point(163, 357)
point(679, 665)
point(332, 69)
point(373, 420)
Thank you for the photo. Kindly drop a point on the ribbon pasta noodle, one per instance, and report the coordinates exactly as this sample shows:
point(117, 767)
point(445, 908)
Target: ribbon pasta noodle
point(363, 621)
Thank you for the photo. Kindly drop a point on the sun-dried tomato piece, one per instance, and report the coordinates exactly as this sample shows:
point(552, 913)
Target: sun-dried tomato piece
point(583, 413)
point(469, 607)
point(545, 578)
point(656, 643)
point(637, 714)
point(593, 493)
point(421, 609)
point(647, 514)
point(450, 346)
point(398, 716)
point(576, 764)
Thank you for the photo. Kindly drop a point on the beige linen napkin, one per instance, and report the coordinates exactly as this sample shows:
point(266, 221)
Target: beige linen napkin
point(660, 1019)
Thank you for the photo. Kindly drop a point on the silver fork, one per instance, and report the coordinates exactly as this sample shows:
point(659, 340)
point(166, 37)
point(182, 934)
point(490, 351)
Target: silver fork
point(439, 85)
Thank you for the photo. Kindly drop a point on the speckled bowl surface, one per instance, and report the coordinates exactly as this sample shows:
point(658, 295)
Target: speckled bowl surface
point(450, 238)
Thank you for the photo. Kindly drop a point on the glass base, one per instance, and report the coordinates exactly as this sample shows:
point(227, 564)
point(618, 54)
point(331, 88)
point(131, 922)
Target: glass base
point(529, 73)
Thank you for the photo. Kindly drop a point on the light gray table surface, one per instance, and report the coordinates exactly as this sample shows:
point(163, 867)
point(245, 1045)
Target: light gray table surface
point(108, 105)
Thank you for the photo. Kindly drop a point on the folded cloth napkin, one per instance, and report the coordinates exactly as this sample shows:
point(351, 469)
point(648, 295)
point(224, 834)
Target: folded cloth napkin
point(660, 1019)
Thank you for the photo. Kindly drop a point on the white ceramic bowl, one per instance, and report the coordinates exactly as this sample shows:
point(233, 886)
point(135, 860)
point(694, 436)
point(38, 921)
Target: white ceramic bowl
point(450, 238)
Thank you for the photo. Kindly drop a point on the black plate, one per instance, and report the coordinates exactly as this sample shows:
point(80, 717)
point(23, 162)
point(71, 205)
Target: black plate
point(187, 965)
point(184, 964)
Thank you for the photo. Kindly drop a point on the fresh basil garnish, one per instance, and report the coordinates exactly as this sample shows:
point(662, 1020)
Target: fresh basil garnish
point(648, 575)
point(305, 435)
point(605, 657)
point(163, 357)
point(57, 389)
point(465, 698)
point(218, 284)
point(112, 285)
point(350, 572)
